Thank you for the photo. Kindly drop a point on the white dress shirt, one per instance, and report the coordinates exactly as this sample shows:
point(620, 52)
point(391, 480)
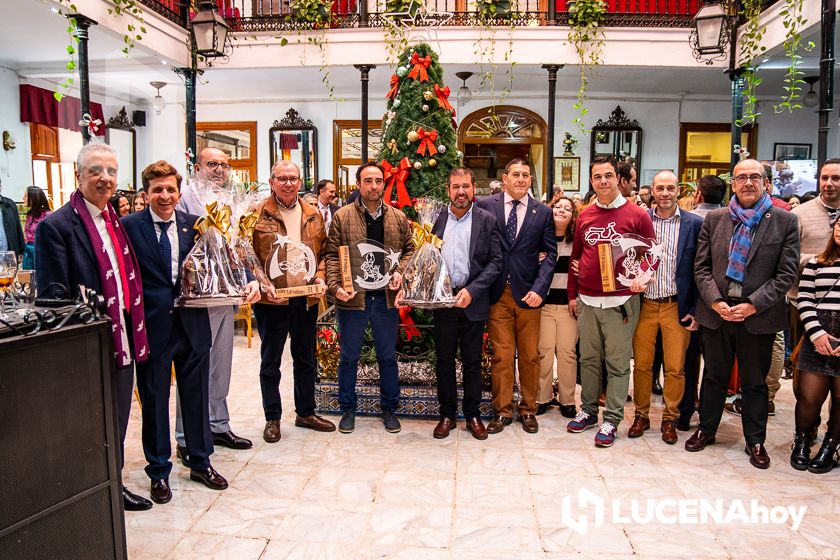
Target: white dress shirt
point(521, 210)
point(172, 234)
point(326, 215)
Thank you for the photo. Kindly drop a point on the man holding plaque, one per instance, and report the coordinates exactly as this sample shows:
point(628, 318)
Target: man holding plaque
point(289, 242)
point(379, 239)
point(473, 255)
point(747, 260)
point(607, 310)
point(526, 229)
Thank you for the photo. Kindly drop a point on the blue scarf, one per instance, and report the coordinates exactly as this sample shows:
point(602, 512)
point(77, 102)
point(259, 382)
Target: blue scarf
point(745, 220)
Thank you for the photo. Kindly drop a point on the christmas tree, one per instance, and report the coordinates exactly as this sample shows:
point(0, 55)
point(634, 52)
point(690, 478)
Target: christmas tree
point(418, 139)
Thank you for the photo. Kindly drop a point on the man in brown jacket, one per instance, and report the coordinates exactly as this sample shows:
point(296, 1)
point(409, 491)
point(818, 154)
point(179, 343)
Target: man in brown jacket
point(285, 220)
point(368, 219)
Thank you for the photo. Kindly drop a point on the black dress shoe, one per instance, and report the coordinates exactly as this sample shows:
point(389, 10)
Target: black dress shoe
point(231, 440)
point(568, 410)
point(133, 502)
point(183, 456)
point(209, 478)
point(758, 456)
point(542, 408)
point(161, 492)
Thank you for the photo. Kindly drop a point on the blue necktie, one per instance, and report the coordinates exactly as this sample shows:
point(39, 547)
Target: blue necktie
point(165, 249)
point(510, 228)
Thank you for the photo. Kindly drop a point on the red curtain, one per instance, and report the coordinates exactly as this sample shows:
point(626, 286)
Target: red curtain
point(38, 105)
point(288, 141)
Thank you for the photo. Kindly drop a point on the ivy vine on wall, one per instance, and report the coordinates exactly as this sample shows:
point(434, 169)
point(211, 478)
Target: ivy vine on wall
point(587, 38)
point(793, 22)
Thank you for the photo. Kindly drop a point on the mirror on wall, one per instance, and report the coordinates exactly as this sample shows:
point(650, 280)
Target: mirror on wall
point(121, 136)
point(294, 139)
point(619, 137)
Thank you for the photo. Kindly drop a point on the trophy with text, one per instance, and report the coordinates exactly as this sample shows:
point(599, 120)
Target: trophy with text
point(290, 266)
point(623, 258)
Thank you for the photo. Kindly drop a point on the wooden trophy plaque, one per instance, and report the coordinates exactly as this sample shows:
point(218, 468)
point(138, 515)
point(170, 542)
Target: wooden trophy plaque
point(346, 272)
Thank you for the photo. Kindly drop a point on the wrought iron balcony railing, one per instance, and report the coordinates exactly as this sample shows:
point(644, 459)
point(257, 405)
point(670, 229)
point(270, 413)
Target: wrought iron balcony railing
point(278, 15)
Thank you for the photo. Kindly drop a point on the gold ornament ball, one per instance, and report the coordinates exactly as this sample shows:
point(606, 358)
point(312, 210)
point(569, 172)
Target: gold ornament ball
point(427, 95)
point(425, 108)
point(418, 165)
point(412, 136)
point(432, 162)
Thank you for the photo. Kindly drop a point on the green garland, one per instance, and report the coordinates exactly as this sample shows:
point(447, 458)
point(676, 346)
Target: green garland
point(793, 22)
point(587, 38)
point(751, 48)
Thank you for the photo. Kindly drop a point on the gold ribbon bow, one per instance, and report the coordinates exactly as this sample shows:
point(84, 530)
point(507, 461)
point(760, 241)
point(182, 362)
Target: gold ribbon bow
point(247, 223)
point(392, 145)
point(421, 234)
point(216, 217)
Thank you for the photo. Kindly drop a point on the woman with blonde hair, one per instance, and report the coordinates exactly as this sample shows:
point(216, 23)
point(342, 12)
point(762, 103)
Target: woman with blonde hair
point(558, 327)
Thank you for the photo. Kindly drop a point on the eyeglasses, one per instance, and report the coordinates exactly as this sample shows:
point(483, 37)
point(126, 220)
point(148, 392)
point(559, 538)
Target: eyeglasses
point(215, 164)
point(99, 171)
point(284, 179)
point(742, 179)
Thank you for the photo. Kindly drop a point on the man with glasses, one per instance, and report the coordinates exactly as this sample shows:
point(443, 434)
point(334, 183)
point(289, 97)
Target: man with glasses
point(285, 214)
point(368, 218)
point(213, 168)
point(747, 260)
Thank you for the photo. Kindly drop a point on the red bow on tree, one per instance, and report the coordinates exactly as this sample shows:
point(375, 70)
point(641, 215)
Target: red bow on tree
point(427, 141)
point(443, 97)
point(396, 175)
point(395, 81)
point(420, 65)
point(408, 324)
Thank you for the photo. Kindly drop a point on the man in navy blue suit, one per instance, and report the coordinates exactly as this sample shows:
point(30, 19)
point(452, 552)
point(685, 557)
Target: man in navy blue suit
point(163, 237)
point(668, 306)
point(82, 244)
point(473, 255)
point(526, 229)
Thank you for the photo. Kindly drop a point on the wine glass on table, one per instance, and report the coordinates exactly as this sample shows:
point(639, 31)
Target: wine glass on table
point(8, 271)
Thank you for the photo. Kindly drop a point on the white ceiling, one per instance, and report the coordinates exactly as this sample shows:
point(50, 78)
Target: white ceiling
point(114, 76)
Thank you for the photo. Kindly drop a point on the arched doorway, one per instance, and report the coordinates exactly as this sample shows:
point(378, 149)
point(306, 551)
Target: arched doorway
point(491, 137)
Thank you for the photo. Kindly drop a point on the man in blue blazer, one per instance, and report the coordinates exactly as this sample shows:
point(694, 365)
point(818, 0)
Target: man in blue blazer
point(163, 237)
point(526, 229)
point(473, 255)
point(668, 305)
point(82, 244)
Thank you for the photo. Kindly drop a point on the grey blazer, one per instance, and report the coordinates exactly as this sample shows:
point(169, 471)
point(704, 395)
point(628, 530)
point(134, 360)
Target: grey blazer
point(772, 268)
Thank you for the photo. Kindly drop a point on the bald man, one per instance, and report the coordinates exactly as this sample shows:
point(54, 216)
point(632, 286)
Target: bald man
point(668, 305)
point(212, 167)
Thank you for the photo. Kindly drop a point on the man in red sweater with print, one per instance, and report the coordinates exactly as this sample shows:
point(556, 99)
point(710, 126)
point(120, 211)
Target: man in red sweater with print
point(606, 319)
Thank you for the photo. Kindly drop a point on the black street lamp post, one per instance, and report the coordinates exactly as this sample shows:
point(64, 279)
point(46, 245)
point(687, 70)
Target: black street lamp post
point(83, 23)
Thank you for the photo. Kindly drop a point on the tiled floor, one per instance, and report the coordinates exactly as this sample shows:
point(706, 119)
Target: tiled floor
point(371, 494)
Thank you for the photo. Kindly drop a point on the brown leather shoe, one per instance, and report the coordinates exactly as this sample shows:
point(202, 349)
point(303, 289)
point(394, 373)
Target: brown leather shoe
point(640, 425)
point(271, 433)
point(443, 427)
point(476, 427)
point(669, 431)
point(160, 492)
point(758, 456)
point(698, 441)
point(314, 422)
point(210, 478)
point(498, 423)
point(529, 423)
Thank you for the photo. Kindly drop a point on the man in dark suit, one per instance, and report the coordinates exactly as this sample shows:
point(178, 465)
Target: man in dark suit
point(11, 232)
point(473, 255)
point(668, 306)
point(82, 244)
point(742, 302)
point(526, 229)
point(325, 190)
point(163, 237)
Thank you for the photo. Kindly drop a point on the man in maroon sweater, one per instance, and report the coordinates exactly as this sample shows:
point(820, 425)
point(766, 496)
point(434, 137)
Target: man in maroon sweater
point(606, 320)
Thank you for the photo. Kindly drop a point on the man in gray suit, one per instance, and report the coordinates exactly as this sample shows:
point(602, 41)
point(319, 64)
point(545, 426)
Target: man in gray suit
point(742, 302)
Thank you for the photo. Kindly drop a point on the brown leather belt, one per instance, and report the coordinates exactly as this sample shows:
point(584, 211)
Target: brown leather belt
point(669, 299)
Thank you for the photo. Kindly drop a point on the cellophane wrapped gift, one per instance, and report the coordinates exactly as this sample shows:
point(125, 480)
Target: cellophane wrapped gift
point(426, 282)
point(212, 273)
point(242, 245)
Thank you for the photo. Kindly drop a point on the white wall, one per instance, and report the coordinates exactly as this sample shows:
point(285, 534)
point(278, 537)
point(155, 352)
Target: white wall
point(15, 165)
point(659, 120)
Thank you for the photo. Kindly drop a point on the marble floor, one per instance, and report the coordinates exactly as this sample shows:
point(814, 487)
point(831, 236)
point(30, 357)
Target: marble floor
point(371, 494)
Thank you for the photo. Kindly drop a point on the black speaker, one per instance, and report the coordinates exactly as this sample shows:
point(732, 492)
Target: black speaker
point(62, 492)
point(139, 118)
